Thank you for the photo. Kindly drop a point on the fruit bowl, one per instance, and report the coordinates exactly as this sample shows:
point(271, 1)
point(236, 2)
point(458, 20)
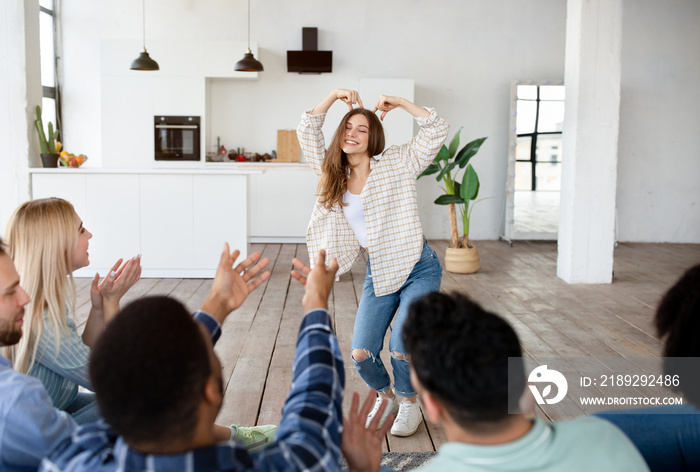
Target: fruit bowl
point(67, 159)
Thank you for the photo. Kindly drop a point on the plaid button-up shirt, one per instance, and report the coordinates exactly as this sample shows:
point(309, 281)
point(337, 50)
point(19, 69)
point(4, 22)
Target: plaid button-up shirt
point(308, 437)
point(389, 202)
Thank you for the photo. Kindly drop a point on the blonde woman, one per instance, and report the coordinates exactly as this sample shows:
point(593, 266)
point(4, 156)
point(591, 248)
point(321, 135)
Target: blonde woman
point(367, 201)
point(47, 241)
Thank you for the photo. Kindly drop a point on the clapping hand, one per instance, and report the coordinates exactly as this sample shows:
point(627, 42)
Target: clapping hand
point(362, 444)
point(105, 295)
point(317, 282)
point(232, 285)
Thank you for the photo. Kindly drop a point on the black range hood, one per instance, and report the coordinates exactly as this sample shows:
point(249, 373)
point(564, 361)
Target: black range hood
point(309, 60)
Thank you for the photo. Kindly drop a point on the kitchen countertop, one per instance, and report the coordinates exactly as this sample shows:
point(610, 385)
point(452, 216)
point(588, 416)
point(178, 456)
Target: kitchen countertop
point(225, 167)
point(118, 170)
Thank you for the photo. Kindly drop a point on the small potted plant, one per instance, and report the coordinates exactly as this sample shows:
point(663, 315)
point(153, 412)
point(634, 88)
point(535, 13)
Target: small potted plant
point(49, 146)
point(461, 256)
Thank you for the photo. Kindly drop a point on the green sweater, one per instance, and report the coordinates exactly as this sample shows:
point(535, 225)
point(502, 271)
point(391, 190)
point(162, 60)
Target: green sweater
point(584, 443)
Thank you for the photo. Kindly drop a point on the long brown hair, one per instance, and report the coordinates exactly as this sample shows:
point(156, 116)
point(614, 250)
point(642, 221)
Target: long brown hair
point(334, 177)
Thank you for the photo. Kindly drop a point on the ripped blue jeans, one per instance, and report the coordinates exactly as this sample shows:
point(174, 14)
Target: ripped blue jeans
point(374, 316)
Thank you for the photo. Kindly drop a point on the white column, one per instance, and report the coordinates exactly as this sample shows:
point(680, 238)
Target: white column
point(20, 92)
point(591, 128)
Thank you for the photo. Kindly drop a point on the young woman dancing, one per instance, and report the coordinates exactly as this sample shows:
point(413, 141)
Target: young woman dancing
point(367, 201)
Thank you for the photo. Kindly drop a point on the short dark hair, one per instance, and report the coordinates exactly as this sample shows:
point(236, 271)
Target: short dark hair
point(459, 352)
point(678, 320)
point(149, 370)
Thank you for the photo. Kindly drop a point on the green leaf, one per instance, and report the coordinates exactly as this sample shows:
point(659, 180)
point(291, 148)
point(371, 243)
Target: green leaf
point(431, 169)
point(454, 144)
point(470, 184)
point(442, 155)
point(469, 151)
point(447, 199)
point(445, 170)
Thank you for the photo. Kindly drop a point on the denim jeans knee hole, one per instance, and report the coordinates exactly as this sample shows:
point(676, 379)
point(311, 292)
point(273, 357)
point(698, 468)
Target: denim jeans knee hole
point(398, 356)
point(364, 352)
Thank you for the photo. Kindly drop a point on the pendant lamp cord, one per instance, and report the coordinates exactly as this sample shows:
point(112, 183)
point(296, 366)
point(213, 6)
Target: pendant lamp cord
point(143, 10)
point(248, 25)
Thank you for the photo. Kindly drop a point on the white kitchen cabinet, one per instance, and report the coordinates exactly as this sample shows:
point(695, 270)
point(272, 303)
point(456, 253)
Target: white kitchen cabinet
point(178, 220)
point(220, 208)
point(167, 221)
point(281, 202)
point(112, 201)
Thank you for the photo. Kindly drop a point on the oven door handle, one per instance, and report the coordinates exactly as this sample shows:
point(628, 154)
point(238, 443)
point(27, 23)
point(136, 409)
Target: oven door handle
point(177, 126)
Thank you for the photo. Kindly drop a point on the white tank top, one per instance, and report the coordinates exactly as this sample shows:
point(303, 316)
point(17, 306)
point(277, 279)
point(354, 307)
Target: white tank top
point(355, 216)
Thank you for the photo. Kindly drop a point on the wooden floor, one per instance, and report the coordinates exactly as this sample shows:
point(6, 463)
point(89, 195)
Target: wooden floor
point(552, 318)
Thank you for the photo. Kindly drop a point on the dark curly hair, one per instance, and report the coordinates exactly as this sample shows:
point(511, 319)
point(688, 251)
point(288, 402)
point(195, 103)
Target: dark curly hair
point(459, 353)
point(149, 370)
point(678, 321)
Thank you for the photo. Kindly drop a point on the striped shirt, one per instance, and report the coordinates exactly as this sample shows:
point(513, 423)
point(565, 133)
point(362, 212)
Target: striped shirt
point(308, 437)
point(64, 370)
point(389, 202)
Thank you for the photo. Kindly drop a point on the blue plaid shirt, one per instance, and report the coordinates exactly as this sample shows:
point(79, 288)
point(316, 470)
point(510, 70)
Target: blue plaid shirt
point(308, 437)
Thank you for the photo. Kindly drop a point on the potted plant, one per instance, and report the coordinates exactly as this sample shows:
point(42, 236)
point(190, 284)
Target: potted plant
point(49, 146)
point(461, 256)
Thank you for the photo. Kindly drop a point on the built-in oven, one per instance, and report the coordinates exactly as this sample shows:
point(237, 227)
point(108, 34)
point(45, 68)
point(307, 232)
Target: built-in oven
point(177, 138)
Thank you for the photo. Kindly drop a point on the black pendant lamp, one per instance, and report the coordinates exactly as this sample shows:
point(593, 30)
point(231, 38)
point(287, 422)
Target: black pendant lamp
point(248, 63)
point(144, 61)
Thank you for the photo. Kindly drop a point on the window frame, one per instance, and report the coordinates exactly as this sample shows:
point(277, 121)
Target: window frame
point(533, 139)
point(54, 92)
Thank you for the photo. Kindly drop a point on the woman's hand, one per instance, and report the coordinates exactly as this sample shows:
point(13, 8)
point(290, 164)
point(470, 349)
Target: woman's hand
point(96, 287)
point(350, 97)
point(120, 279)
point(105, 296)
point(386, 103)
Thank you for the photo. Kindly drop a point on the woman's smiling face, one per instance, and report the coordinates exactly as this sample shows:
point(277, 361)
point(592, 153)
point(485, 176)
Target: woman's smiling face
point(356, 135)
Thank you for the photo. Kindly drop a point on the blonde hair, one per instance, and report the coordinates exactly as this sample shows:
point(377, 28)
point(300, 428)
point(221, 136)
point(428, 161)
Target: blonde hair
point(335, 166)
point(42, 237)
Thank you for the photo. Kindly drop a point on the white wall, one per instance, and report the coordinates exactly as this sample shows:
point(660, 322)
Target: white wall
point(658, 196)
point(20, 93)
point(462, 56)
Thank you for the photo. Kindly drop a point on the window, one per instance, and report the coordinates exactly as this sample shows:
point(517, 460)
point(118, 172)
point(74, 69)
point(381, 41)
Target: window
point(51, 97)
point(540, 120)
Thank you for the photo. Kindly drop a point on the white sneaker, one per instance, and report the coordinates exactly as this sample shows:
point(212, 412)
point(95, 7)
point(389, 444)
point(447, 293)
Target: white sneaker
point(407, 420)
point(391, 408)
